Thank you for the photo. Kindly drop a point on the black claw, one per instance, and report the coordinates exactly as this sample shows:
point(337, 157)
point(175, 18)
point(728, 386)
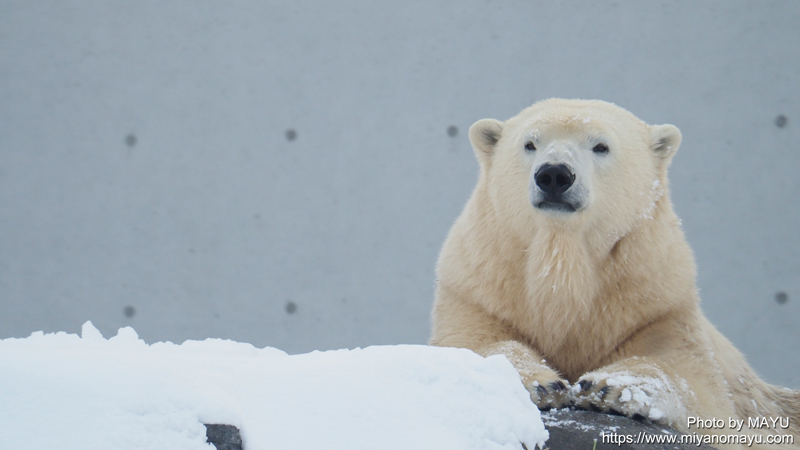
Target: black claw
point(542, 390)
point(614, 412)
point(585, 385)
point(595, 408)
point(524, 446)
point(558, 386)
point(639, 418)
point(604, 391)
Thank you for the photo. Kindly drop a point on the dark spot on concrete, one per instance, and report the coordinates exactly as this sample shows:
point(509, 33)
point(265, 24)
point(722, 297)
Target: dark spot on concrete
point(256, 216)
point(781, 298)
point(129, 311)
point(291, 307)
point(781, 121)
point(291, 134)
point(130, 140)
point(452, 131)
point(192, 251)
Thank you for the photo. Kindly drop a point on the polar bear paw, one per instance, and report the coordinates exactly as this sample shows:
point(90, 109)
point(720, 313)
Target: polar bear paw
point(547, 389)
point(622, 394)
point(601, 397)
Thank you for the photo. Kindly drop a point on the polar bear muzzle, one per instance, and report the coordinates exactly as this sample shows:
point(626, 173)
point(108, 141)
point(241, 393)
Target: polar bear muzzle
point(552, 181)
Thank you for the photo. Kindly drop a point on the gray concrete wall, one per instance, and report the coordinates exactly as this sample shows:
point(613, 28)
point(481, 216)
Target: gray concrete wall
point(149, 177)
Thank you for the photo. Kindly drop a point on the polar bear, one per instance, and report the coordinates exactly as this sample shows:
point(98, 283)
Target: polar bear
point(569, 260)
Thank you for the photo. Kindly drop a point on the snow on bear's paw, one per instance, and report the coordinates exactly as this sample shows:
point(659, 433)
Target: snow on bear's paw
point(637, 391)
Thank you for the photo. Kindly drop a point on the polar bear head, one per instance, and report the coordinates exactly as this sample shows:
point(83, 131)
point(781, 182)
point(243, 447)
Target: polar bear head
point(572, 164)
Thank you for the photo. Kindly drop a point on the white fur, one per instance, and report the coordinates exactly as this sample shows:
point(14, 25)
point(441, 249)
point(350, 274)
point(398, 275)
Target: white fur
point(605, 294)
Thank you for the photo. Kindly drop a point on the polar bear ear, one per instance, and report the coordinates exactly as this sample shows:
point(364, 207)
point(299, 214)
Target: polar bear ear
point(483, 135)
point(664, 141)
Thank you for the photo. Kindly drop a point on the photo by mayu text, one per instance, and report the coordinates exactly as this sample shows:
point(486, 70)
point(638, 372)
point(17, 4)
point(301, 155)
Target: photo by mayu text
point(753, 423)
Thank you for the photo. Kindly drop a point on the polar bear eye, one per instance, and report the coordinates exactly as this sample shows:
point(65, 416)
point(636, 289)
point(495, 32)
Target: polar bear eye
point(530, 147)
point(600, 148)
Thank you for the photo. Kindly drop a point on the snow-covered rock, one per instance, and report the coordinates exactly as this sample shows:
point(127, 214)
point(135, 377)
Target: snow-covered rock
point(67, 391)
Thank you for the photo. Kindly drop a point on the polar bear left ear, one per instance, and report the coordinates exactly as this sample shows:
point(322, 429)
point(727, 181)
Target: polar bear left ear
point(664, 141)
point(483, 135)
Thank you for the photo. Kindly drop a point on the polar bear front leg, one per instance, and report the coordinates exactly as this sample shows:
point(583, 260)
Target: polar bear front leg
point(458, 322)
point(636, 387)
point(546, 387)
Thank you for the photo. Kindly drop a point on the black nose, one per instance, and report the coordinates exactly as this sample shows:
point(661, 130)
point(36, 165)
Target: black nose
point(554, 179)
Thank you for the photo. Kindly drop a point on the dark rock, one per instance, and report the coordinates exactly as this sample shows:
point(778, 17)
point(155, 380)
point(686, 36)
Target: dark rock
point(224, 437)
point(576, 429)
point(569, 430)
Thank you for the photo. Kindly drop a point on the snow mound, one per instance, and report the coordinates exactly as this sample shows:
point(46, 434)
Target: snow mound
point(86, 392)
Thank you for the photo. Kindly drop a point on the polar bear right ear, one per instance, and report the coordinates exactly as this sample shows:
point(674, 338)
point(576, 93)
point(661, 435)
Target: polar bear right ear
point(665, 140)
point(483, 135)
